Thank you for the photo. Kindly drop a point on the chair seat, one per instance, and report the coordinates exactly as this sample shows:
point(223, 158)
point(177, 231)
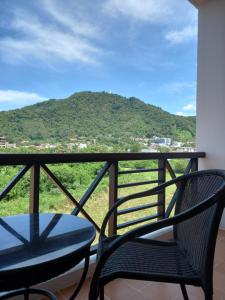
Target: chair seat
point(149, 260)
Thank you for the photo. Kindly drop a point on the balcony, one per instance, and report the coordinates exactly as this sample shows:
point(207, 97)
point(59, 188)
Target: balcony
point(159, 167)
point(112, 167)
point(210, 137)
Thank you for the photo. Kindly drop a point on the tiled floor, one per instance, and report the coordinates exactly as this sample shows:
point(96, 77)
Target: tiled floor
point(143, 290)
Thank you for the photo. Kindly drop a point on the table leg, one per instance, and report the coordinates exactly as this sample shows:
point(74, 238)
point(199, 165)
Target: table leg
point(26, 294)
point(86, 265)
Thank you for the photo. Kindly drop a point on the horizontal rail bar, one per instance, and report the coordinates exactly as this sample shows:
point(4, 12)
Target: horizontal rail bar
point(137, 208)
point(138, 171)
point(137, 221)
point(55, 158)
point(125, 185)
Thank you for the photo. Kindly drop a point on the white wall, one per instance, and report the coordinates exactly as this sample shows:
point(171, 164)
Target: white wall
point(211, 85)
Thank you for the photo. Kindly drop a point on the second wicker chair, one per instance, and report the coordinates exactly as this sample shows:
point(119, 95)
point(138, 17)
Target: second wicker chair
point(188, 259)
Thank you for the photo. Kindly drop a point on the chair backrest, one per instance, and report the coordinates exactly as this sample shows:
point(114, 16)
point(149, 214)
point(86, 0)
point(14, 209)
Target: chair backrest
point(197, 235)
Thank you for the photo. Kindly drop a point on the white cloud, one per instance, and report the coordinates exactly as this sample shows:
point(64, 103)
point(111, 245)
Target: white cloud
point(186, 34)
point(64, 16)
point(17, 97)
point(49, 42)
point(172, 13)
point(189, 107)
point(156, 12)
point(146, 10)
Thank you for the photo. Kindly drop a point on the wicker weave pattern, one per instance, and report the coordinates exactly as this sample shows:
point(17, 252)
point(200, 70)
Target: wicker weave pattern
point(192, 235)
point(149, 258)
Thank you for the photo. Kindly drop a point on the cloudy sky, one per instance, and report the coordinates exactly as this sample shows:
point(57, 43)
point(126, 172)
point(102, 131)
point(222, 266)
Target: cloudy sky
point(141, 48)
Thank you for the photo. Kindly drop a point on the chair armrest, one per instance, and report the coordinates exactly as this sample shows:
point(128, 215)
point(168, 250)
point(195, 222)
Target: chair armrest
point(140, 231)
point(122, 200)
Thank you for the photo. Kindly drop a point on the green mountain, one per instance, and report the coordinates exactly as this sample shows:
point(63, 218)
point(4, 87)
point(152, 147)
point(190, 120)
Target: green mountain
point(91, 114)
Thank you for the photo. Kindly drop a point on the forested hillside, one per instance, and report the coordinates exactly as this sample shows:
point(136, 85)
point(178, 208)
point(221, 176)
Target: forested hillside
point(92, 115)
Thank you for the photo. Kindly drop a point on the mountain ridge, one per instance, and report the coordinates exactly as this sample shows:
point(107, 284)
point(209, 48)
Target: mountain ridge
point(93, 115)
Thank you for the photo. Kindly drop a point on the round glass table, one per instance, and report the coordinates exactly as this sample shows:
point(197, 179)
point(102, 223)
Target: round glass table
point(37, 247)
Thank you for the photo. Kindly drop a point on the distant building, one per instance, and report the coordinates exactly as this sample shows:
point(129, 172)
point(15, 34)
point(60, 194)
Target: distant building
point(3, 142)
point(162, 141)
point(46, 146)
point(40, 146)
point(150, 149)
point(188, 149)
point(51, 146)
point(177, 144)
point(24, 142)
point(82, 146)
point(8, 145)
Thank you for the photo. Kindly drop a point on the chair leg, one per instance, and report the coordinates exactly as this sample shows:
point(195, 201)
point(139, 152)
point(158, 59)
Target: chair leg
point(26, 294)
point(208, 296)
point(102, 293)
point(184, 292)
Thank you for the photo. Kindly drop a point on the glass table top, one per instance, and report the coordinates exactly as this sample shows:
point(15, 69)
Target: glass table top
point(34, 239)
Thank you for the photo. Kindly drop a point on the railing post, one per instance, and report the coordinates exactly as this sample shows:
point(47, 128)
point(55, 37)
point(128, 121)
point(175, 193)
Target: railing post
point(194, 165)
point(162, 195)
point(34, 188)
point(113, 194)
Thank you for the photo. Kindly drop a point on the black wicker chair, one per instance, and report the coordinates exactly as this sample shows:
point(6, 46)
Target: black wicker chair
point(188, 259)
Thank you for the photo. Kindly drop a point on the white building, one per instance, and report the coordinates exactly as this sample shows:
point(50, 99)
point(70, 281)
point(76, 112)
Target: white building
point(162, 141)
point(177, 144)
point(3, 142)
point(82, 146)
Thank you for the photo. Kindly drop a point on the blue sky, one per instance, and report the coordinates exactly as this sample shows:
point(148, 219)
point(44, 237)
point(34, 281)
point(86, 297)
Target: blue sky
point(141, 48)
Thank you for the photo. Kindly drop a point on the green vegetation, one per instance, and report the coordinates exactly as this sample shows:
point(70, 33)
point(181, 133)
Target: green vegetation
point(77, 178)
point(112, 123)
point(108, 118)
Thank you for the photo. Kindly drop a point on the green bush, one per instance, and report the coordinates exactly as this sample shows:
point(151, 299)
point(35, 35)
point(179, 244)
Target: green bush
point(179, 165)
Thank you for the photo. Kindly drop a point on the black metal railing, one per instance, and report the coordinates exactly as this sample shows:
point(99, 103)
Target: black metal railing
point(37, 162)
